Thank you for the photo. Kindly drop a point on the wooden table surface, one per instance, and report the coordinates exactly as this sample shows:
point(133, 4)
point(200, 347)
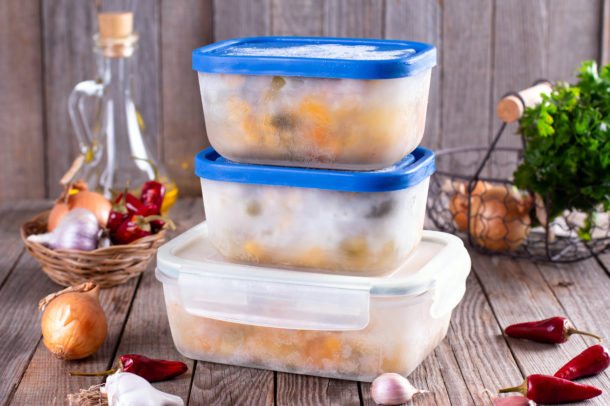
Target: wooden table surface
point(473, 357)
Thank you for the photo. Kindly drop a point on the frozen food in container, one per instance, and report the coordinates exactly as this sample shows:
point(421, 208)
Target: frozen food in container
point(335, 103)
point(348, 327)
point(363, 223)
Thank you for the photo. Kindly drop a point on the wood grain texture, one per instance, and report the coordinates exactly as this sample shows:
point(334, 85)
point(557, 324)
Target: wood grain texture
point(310, 390)
point(581, 288)
point(421, 20)
point(355, 19)
point(48, 377)
point(147, 330)
point(147, 84)
point(604, 43)
point(219, 385)
point(68, 59)
point(20, 322)
point(11, 247)
point(482, 354)
point(517, 292)
point(297, 17)
point(519, 54)
point(467, 74)
point(572, 26)
point(427, 376)
point(22, 156)
point(235, 18)
point(185, 25)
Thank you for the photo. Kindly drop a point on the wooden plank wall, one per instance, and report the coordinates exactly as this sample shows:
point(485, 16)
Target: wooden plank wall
point(485, 50)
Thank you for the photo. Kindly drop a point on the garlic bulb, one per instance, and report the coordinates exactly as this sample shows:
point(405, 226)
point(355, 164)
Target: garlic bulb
point(77, 230)
point(393, 389)
point(127, 389)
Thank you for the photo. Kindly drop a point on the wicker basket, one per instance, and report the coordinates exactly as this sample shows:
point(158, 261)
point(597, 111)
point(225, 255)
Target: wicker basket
point(107, 267)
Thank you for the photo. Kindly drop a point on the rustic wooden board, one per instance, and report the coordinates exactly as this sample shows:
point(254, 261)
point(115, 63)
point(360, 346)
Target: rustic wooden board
point(20, 322)
point(147, 76)
point(296, 390)
point(519, 50)
point(518, 291)
point(146, 330)
point(427, 376)
point(218, 385)
point(421, 20)
point(184, 27)
point(580, 288)
point(297, 17)
point(356, 19)
point(69, 59)
point(467, 75)
point(235, 18)
point(12, 216)
point(22, 156)
point(483, 356)
point(49, 376)
point(572, 24)
point(604, 43)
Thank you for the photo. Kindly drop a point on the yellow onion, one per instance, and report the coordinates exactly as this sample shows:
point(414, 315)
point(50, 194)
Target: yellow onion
point(458, 203)
point(76, 196)
point(73, 324)
point(499, 219)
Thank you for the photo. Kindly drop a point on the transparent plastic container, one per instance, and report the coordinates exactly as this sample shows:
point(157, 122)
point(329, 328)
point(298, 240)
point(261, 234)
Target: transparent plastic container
point(361, 223)
point(336, 326)
point(349, 104)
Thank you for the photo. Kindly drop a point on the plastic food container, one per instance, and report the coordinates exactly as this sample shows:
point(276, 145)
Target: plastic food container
point(335, 103)
point(364, 223)
point(337, 326)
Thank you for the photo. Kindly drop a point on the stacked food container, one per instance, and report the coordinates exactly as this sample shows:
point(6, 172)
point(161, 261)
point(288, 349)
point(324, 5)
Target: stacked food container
point(313, 258)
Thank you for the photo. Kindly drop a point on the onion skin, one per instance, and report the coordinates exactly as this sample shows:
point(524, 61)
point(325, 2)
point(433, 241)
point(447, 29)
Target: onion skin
point(57, 213)
point(74, 325)
point(499, 220)
point(76, 196)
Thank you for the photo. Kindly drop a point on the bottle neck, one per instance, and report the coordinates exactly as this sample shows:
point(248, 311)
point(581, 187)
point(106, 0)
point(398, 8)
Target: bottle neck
point(115, 57)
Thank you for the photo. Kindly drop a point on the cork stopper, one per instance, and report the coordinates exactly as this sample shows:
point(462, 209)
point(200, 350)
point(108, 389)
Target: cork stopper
point(115, 25)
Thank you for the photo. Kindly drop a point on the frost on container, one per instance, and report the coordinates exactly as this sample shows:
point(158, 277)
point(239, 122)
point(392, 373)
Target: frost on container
point(336, 326)
point(295, 217)
point(315, 102)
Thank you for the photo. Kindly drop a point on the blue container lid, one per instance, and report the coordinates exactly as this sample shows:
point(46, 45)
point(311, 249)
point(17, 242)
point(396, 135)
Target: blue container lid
point(408, 172)
point(347, 58)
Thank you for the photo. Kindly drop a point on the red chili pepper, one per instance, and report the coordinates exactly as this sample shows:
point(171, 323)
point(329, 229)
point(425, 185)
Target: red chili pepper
point(591, 361)
point(151, 209)
point(132, 228)
point(131, 203)
point(554, 330)
point(153, 191)
point(551, 390)
point(124, 205)
point(153, 370)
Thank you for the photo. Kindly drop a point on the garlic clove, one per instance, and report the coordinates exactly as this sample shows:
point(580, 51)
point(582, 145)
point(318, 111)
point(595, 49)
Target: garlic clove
point(393, 389)
point(127, 389)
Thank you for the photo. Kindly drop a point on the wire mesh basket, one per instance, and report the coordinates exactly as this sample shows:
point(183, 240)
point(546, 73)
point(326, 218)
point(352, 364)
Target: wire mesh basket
point(472, 195)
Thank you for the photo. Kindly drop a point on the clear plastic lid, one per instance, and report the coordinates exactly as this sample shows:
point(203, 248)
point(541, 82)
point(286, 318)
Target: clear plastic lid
point(211, 287)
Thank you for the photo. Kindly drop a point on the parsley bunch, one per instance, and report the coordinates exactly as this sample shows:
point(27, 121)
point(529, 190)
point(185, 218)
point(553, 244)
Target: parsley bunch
point(567, 150)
